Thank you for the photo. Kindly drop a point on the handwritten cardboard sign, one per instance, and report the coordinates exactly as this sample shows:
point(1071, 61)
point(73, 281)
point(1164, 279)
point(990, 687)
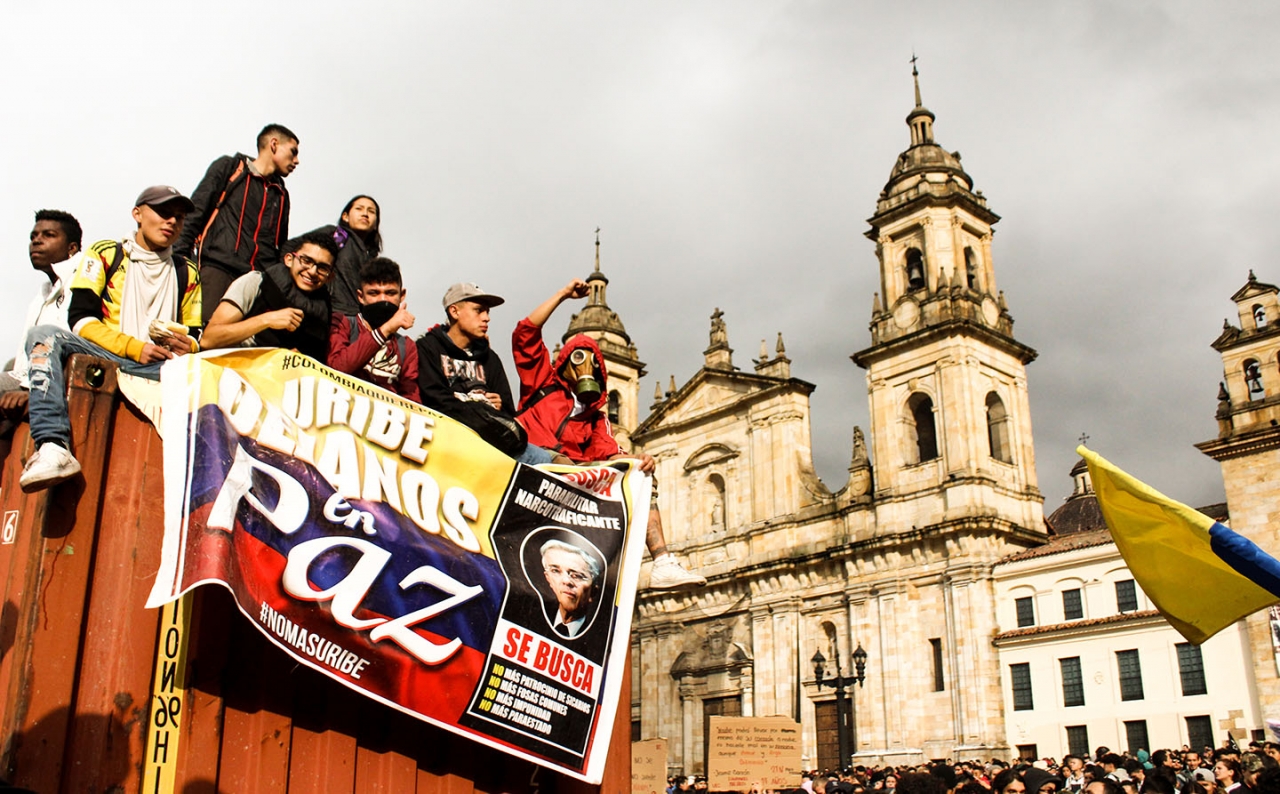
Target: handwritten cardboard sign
point(750, 751)
point(649, 766)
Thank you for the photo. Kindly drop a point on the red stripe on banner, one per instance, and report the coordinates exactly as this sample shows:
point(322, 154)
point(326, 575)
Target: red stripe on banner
point(253, 571)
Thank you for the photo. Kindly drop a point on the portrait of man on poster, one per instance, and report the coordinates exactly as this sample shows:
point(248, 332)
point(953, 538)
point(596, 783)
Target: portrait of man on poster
point(572, 575)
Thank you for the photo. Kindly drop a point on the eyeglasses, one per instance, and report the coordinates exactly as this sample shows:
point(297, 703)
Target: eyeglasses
point(577, 576)
point(322, 269)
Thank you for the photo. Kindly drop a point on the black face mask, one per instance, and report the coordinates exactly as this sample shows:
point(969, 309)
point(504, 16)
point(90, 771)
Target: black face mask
point(378, 312)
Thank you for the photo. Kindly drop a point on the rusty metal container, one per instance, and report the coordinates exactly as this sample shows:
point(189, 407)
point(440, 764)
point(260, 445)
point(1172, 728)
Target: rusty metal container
point(79, 654)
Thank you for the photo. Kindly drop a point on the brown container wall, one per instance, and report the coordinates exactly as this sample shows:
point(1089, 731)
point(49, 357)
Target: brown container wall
point(78, 654)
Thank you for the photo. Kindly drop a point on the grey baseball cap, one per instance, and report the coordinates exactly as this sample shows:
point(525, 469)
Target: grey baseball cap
point(156, 195)
point(469, 291)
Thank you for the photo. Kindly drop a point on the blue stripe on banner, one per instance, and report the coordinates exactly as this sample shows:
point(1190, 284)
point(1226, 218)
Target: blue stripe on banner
point(473, 622)
point(1245, 557)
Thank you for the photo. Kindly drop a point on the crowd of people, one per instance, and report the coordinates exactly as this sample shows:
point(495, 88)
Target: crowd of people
point(219, 269)
point(1226, 770)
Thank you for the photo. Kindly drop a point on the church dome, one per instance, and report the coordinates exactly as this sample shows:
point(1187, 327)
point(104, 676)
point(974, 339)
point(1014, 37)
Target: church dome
point(927, 162)
point(925, 168)
point(1080, 513)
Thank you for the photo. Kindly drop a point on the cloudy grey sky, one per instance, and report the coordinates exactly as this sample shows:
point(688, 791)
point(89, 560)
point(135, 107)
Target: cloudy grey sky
point(731, 153)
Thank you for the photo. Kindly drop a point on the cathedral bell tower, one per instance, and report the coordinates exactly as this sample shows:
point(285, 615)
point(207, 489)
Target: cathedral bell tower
point(950, 418)
point(1248, 446)
point(622, 362)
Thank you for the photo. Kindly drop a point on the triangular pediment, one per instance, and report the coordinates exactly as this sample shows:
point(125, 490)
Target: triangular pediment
point(1253, 288)
point(714, 390)
point(710, 395)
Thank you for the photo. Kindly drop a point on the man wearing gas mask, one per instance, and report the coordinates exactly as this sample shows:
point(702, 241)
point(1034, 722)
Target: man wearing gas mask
point(562, 408)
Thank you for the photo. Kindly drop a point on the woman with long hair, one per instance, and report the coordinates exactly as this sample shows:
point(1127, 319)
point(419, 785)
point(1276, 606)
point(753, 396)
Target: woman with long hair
point(1228, 774)
point(358, 241)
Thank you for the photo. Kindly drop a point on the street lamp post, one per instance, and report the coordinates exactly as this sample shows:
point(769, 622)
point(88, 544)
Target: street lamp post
point(844, 726)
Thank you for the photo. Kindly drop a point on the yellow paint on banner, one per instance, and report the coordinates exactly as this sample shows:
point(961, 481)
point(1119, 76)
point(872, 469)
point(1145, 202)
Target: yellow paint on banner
point(168, 694)
point(367, 442)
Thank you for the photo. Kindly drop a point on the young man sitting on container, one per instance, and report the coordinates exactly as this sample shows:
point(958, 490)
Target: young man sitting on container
point(54, 252)
point(286, 305)
point(370, 344)
point(460, 376)
point(133, 303)
point(562, 409)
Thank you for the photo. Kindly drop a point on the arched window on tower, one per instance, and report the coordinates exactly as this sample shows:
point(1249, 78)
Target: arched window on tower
point(1259, 316)
point(715, 502)
point(915, 269)
point(615, 406)
point(922, 436)
point(971, 268)
point(1253, 380)
point(998, 429)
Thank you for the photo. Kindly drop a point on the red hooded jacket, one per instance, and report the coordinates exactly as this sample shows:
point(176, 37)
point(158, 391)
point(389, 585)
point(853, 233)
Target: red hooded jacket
point(583, 438)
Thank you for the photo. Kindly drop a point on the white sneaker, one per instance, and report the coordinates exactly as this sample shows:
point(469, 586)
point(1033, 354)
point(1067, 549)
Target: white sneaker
point(669, 574)
point(49, 466)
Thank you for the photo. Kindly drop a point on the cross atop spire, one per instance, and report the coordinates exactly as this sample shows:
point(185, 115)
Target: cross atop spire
point(915, 75)
point(598, 238)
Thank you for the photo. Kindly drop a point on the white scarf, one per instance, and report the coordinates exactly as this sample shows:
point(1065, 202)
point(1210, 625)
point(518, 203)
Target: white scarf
point(150, 290)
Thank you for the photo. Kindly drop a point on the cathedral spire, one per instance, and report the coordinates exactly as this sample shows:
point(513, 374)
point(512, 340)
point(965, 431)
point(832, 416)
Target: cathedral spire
point(920, 120)
point(596, 319)
point(915, 75)
point(597, 249)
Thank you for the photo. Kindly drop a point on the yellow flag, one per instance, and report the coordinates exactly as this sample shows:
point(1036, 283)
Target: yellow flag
point(1200, 574)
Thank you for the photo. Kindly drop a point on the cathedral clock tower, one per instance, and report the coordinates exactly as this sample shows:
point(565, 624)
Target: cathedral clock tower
point(950, 418)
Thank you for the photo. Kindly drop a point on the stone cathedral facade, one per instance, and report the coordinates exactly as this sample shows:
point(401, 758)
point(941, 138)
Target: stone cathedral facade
point(898, 559)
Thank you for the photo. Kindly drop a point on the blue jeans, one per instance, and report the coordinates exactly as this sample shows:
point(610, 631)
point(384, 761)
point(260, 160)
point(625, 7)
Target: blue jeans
point(48, 347)
point(532, 455)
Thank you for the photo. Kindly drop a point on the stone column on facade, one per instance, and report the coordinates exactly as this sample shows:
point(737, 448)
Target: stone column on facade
point(959, 268)
point(953, 414)
point(889, 667)
point(951, 680)
point(974, 385)
point(930, 254)
point(986, 725)
point(687, 704)
point(988, 270)
point(659, 713)
point(757, 511)
point(785, 660)
point(889, 276)
point(762, 641)
point(1026, 462)
point(855, 601)
point(940, 418)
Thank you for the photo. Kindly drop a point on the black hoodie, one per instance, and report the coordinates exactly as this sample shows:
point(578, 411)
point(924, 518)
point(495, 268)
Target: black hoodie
point(446, 370)
point(244, 230)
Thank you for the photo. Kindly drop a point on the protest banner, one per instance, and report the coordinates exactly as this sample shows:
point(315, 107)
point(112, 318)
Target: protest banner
point(753, 752)
point(389, 548)
point(649, 766)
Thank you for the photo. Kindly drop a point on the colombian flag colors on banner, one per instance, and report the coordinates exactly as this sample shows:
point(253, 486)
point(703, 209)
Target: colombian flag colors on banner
point(1201, 575)
point(391, 549)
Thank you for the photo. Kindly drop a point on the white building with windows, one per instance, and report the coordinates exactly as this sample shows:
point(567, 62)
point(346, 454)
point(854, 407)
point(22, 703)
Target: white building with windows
point(1086, 660)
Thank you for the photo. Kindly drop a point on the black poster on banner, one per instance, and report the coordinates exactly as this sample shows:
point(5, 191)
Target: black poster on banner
point(560, 547)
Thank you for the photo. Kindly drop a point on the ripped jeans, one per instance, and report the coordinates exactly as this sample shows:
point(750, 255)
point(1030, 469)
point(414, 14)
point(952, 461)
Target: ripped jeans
point(48, 348)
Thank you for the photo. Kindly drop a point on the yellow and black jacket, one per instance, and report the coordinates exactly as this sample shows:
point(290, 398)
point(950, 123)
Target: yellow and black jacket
point(96, 290)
